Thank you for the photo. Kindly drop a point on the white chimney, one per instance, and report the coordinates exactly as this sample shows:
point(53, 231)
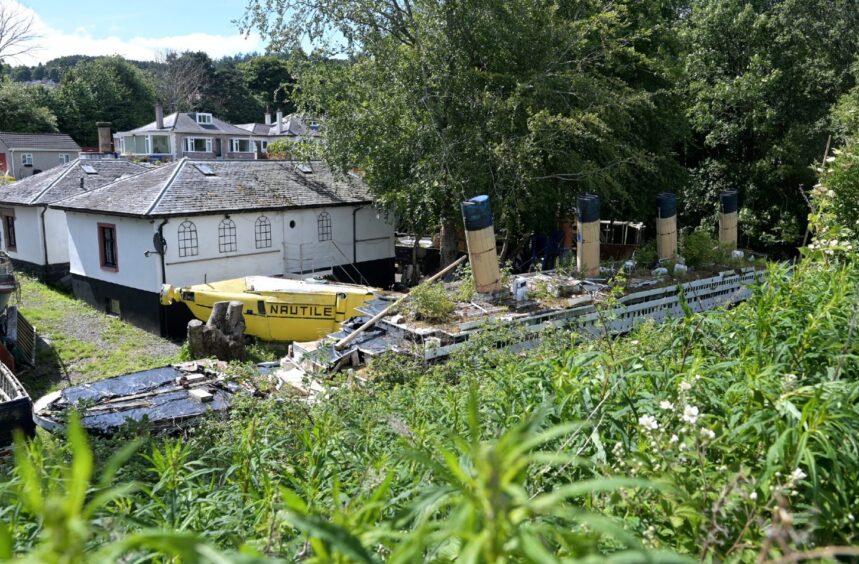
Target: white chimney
point(279, 122)
point(159, 116)
point(267, 117)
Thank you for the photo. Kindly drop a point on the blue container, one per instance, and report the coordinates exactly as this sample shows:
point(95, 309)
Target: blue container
point(729, 201)
point(666, 205)
point(588, 206)
point(477, 213)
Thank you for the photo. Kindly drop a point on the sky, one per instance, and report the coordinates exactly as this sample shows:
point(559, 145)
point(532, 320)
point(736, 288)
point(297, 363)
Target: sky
point(135, 29)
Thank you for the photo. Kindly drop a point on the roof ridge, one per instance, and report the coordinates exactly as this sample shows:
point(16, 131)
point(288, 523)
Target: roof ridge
point(180, 164)
point(72, 165)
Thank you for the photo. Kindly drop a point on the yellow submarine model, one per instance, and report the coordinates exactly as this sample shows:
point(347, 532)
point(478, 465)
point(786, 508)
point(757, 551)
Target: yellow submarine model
point(276, 309)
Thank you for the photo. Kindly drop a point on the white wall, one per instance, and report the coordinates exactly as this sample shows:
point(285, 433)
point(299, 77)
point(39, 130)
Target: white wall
point(28, 235)
point(291, 247)
point(294, 249)
point(133, 238)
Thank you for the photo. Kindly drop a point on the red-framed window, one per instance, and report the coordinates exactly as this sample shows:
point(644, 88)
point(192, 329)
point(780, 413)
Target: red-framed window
point(107, 248)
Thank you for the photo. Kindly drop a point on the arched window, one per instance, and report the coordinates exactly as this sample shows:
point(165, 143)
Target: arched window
point(262, 232)
point(323, 225)
point(227, 236)
point(188, 239)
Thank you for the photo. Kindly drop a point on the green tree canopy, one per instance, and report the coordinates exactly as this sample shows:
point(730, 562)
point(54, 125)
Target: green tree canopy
point(270, 81)
point(104, 89)
point(761, 77)
point(22, 109)
point(528, 101)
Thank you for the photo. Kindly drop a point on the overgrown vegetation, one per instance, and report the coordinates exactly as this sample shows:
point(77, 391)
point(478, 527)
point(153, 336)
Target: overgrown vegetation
point(430, 302)
point(730, 435)
point(82, 344)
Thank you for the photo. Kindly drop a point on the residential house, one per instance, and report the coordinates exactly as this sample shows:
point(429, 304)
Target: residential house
point(195, 135)
point(194, 220)
point(35, 236)
point(26, 154)
point(292, 127)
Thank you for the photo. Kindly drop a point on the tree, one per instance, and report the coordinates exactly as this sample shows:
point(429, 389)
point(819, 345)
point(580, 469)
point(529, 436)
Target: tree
point(528, 102)
point(229, 97)
point(22, 110)
point(270, 81)
point(184, 79)
point(104, 89)
point(760, 79)
point(16, 31)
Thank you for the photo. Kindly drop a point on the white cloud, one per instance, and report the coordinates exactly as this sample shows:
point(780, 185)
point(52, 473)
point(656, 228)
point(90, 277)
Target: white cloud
point(53, 43)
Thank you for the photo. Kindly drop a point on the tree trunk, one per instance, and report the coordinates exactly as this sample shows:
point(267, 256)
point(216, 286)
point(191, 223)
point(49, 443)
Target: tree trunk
point(448, 248)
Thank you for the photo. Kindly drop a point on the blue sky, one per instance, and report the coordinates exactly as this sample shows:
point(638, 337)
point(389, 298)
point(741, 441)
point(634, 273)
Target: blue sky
point(136, 29)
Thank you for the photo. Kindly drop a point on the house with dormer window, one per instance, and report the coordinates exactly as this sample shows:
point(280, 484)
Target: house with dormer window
point(195, 135)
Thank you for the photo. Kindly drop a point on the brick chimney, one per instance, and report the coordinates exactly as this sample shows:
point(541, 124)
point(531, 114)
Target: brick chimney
point(105, 143)
point(159, 116)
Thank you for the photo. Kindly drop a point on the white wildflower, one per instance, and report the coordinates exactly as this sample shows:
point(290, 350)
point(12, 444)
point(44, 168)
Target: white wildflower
point(797, 475)
point(753, 496)
point(633, 342)
point(685, 386)
point(850, 516)
point(690, 414)
point(665, 404)
point(697, 377)
point(648, 422)
point(673, 439)
point(830, 193)
point(708, 434)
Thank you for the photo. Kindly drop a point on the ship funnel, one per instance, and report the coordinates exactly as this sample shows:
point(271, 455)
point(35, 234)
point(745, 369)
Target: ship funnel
point(728, 219)
point(480, 238)
point(666, 225)
point(588, 235)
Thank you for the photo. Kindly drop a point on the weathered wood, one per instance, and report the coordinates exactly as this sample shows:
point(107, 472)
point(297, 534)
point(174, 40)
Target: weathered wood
point(222, 337)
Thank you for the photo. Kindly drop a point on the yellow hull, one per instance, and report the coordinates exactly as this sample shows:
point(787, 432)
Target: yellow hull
point(276, 309)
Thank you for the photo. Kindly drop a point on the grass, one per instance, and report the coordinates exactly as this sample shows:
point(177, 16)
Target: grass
point(81, 344)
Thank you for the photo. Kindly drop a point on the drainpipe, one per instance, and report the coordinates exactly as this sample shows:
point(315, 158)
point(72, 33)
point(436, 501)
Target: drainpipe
point(355, 236)
point(163, 265)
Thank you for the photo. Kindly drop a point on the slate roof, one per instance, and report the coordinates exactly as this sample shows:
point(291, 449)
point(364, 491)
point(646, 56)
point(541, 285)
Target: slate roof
point(64, 181)
point(46, 141)
point(186, 123)
point(181, 188)
point(293, 126)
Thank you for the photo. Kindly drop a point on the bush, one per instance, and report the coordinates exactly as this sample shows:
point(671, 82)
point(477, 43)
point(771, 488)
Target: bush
point(430, 302)
point(699, 248)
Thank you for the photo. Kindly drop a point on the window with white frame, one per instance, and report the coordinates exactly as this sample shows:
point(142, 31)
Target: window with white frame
point(323, 225)
point(64, 158)
point(159, 144)
point(262, 232)
point(263, 146)
point(204, 119)
point(198, 145)
point(240, 146)
point(188, 239)
point(27, 159)
point(227, 236)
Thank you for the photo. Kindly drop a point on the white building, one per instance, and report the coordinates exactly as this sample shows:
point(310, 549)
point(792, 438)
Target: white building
point(35, 235)
point(192, 221)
